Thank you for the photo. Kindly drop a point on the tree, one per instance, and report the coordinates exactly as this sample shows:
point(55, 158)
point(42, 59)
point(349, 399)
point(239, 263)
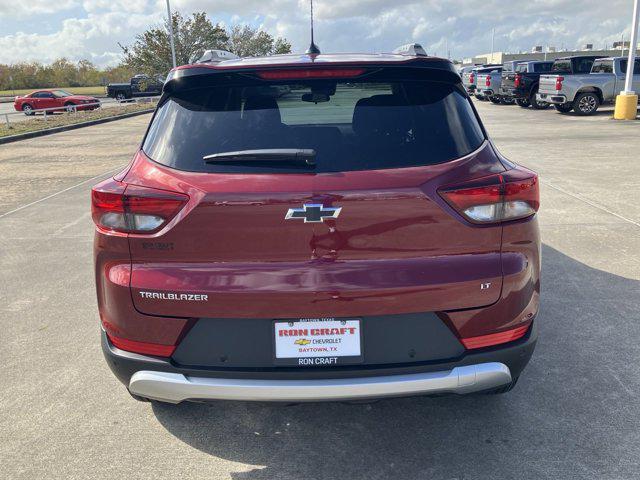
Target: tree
point(246, 41)
point(151, 51)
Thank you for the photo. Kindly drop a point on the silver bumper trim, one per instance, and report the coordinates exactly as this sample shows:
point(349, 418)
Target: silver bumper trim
point(175, 388)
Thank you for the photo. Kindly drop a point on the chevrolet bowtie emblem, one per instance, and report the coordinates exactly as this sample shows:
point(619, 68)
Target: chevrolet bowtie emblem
point(313, 213)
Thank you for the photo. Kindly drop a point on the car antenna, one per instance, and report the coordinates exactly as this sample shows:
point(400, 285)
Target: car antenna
point(313, 48)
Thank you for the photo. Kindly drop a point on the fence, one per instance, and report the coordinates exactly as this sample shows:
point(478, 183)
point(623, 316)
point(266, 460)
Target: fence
point(71, 109)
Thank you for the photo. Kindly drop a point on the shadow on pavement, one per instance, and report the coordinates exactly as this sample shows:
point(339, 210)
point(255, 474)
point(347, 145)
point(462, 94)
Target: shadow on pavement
point(573, 414)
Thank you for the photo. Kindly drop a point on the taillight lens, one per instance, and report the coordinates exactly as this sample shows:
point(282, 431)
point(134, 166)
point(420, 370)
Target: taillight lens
point(142, 347)
point(559, 81)
point(311, 73)
point(494, 199)
point(487, 82)
point(118, 207)
point(472, 77)
point(492, 339)
point(518, 80)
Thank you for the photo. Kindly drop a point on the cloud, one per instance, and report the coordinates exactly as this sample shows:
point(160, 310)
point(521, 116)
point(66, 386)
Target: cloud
point(20, 8)
point(93, 28)
point(93, 38)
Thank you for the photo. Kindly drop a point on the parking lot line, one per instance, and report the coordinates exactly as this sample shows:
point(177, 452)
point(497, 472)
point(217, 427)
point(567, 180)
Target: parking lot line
point(590, 202)
point(22, 207)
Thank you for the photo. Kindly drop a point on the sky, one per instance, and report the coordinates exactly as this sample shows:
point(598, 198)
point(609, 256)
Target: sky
point(43, 30)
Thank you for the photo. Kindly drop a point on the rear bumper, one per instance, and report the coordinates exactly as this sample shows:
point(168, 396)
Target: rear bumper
point(513, 93)
point(555, 99)
point(175, 387)
point(161, 379)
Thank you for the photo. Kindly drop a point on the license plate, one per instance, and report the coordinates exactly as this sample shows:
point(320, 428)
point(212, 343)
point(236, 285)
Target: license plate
point(317, 342)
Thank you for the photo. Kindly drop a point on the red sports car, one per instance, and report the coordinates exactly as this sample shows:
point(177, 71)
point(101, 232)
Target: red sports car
point(53, 100)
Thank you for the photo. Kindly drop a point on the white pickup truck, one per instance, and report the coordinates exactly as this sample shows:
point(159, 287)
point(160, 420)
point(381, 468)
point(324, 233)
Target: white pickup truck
point(584, 93)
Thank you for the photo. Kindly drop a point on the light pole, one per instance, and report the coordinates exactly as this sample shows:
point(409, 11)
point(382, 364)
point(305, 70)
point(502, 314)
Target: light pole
point(627, 101)
point(173, 46)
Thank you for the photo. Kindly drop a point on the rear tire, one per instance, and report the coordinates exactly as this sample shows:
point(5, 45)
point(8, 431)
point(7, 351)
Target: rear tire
point(28, 109)
point(586, 103)
point(505, 388)
point(523, 102)
point(563, 107)
point(121, 96)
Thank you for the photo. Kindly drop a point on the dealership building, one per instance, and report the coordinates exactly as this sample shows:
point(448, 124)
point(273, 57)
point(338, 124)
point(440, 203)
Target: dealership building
point(550, 53)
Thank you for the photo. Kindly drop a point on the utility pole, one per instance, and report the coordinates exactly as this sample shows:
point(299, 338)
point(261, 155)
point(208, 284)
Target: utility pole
point(493, 38)
point(627, 101)
point(173, 45)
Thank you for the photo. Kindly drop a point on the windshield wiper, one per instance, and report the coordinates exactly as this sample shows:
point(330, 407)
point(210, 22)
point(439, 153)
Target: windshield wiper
point(298, 156)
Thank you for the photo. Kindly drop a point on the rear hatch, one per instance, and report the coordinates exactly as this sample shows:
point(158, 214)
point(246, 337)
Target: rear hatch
point(361, 231)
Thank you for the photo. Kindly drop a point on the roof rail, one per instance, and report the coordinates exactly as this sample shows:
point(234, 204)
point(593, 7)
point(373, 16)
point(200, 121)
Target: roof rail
point(411, 49)
point(215, 56)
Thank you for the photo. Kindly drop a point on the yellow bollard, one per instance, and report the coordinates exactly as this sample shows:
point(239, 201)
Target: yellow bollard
point(626, 107)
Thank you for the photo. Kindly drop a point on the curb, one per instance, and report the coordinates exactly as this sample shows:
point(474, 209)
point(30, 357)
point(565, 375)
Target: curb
point(64, 128)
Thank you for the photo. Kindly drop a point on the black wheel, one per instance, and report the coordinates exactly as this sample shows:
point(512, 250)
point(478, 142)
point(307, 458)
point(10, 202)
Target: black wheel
point(494, 100)
point(563, 107)
point(535, 103)
point(28, 109)
point(70, 107)
point(586, 103)
point(120, 96)
point(505, 388)
point(523, 102)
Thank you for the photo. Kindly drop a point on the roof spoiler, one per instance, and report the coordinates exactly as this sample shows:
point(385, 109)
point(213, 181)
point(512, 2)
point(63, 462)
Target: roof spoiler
point(214, 56)
point(411, 49)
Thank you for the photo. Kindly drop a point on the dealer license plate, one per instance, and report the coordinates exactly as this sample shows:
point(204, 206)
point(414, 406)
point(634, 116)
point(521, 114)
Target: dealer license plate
point(318, 341)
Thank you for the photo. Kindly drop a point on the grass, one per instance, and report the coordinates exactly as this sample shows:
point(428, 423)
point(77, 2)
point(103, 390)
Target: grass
point(99, 90)
point(38, 122)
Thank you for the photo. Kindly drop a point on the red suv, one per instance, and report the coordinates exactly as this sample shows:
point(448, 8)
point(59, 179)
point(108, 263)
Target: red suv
point(317, 227)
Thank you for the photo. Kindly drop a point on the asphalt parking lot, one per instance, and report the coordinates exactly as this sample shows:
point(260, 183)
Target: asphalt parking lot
point(574, 414)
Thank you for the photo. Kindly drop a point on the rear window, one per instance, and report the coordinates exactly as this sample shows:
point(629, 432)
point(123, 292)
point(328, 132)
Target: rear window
point(521, 68)
point(542, 67)
point(561, 66)
point(508, 67)
point(583, 65)
point(351, 126)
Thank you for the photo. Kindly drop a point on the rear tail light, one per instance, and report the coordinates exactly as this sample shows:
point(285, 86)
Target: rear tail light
point(472, 77)
point(559, 81)
point(518, 81)
point(311, 73)
point(118, 207)
point(142, 348)
point(498, 198)
point(487, 82)
point(495, 338)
